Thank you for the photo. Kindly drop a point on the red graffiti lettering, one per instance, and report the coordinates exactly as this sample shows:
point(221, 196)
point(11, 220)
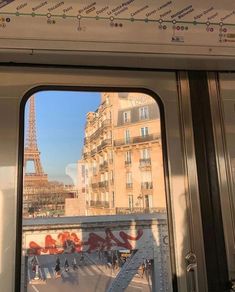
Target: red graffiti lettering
point(67, 242)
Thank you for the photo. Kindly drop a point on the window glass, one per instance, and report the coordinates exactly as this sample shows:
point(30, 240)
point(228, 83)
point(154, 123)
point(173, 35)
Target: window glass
point(144, 131)
point(127, 136)
point(128, 157)
point(143, 113)
point(127, 117)
point(84, 171)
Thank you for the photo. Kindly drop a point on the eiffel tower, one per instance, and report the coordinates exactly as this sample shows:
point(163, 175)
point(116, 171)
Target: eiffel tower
point(31, 152)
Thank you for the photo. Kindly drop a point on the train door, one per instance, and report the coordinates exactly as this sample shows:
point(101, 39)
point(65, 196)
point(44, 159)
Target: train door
point(186, 269)
point(222, 89)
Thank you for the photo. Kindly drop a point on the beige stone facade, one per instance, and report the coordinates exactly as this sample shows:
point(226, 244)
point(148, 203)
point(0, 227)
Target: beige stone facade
point(123, 157)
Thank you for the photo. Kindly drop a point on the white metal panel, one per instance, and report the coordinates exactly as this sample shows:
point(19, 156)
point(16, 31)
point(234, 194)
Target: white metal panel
point(162, 29)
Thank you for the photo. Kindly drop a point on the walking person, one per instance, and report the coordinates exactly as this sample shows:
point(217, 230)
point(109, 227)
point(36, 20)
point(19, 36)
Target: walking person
point(75, 267)
point(66, 265)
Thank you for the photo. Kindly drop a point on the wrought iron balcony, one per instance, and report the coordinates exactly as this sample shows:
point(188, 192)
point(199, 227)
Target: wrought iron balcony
point(123, 211)
point(137, 139)
point(86, 154)
point(103, 166)
point(94, 185)
point(103, 184)
point(93, 152)
point(106, 142)
point(146, 185)
point(103, 204)
point(145, 162)
point(106, 123)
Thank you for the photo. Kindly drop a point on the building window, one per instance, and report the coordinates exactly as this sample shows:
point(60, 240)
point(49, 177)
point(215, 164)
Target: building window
point(144, 131)
point(106, 176)
point(106, 196)
point(94, 168)
point(127, 117)
point(127, 136)
point(145, 153)
point(146, 180)
point(129, 180)
point(148, 201)
point(130, 201)
point(110, 155)
point(143, 113)
point(111, 176)
point(128, 157)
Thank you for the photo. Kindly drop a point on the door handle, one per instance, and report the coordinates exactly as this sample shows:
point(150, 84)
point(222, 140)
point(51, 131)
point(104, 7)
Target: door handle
point(191, 272)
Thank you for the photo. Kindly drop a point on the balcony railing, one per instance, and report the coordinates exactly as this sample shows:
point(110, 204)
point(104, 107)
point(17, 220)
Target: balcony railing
point(86, 155)
point(146, 185)
point(103, 166)
point(137, 139)
point(99, 148)
point(106, 123)
point(123, 211)
point(93, 152)
point(129, 185)
point(145, 162)
point(98, 132)
point(106, 142)
point(103, 204)
point(103, 184)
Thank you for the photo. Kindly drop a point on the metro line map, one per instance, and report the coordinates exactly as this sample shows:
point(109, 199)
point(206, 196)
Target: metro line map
point(209, 24)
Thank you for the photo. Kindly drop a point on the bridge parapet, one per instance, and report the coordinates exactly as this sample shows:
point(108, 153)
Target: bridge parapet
point(146, 235)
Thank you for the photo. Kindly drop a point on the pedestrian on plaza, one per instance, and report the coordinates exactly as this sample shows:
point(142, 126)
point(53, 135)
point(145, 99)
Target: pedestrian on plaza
point(57, 271)
point(75, 267)
point(82, 259)
point(58, 261)
point(66, 265)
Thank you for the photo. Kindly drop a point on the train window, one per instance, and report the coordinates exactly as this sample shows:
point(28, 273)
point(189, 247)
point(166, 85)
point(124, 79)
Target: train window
point(94, 200)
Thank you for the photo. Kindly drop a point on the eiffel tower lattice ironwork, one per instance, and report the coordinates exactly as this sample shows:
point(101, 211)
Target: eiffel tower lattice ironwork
point(31, 152)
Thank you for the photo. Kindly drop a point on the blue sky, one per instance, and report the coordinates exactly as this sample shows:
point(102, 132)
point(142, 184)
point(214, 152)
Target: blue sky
point(60, 121)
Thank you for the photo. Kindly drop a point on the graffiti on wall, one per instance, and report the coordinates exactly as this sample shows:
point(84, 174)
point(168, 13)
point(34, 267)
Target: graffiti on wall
point(69, 242)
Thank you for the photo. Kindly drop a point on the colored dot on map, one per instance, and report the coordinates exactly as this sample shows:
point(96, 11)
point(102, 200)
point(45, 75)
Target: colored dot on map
point(33, 14)
point(225, 30)
point(195, 23)
point(132, 19)
point(178, 27)
point(17, 14)
point(164, 27)
point(8, 19)
point(211, 29)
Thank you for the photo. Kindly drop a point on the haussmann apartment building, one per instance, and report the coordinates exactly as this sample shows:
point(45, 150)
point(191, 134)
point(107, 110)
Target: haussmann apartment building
point(122, 156)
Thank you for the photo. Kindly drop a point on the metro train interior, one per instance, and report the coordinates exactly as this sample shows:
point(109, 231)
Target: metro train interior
point(117, 128)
